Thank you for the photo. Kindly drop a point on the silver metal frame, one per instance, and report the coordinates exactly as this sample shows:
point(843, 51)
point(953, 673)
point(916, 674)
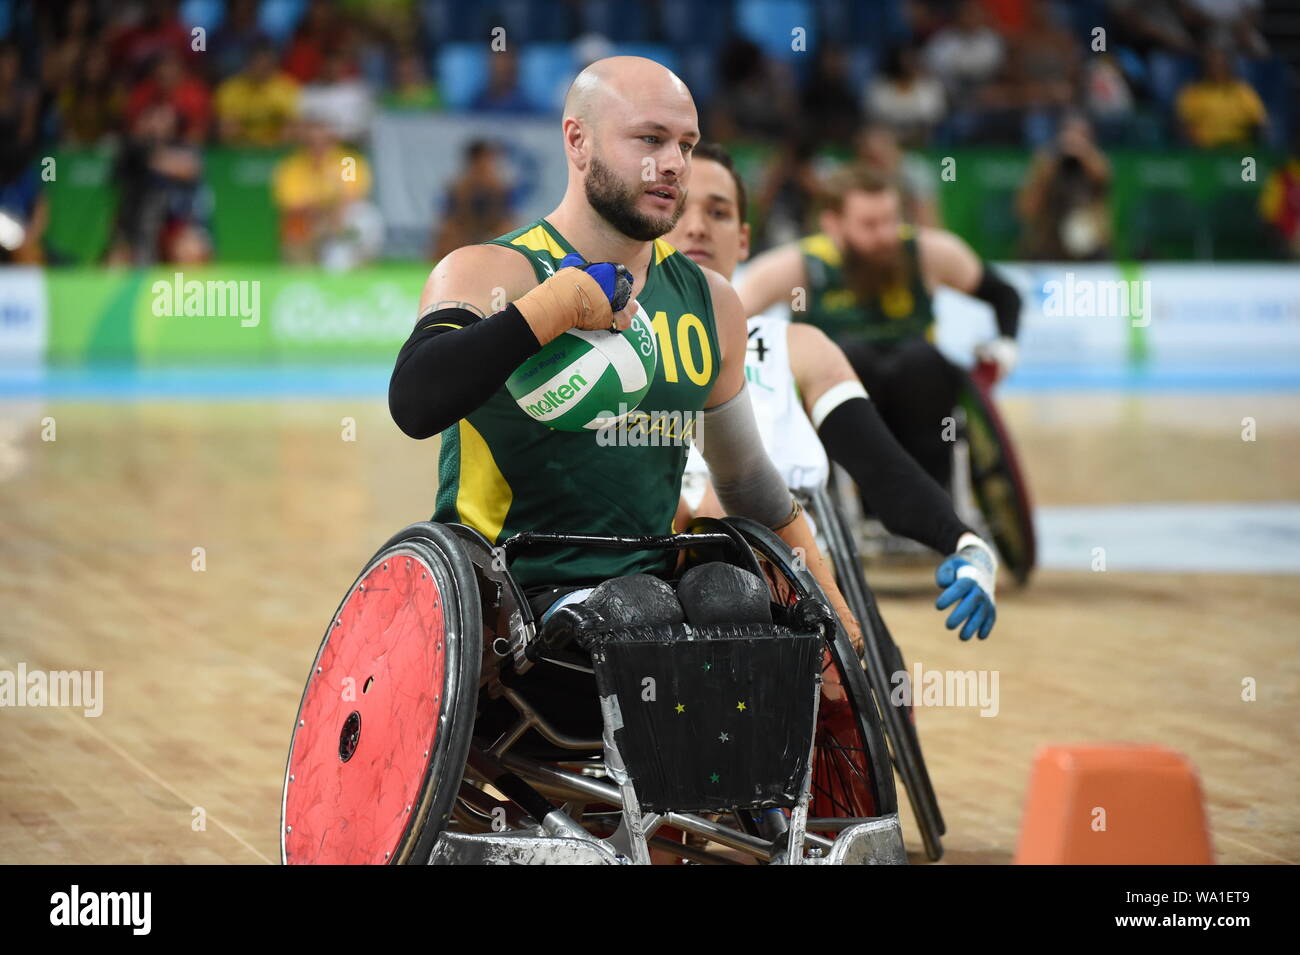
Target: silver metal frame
point(563, 839)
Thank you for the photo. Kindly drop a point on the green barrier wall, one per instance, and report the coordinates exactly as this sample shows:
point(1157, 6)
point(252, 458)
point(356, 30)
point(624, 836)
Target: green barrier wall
point(1164, 205)
point(244, 223)
point(82, 202)
point(245, 314)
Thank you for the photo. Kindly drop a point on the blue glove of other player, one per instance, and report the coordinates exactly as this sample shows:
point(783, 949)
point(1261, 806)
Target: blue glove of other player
point(614, 279)
point(968, 577)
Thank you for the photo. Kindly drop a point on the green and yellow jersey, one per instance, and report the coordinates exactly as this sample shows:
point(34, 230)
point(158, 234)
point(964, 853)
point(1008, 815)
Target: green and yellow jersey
point(502, 472)
point(897, 314)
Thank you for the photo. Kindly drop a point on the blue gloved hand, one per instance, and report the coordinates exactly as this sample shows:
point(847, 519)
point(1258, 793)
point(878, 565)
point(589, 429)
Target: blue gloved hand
point(614, 280)
point(969, 576)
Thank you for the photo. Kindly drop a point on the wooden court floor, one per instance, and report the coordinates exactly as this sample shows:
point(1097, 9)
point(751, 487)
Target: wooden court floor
point(203, 668)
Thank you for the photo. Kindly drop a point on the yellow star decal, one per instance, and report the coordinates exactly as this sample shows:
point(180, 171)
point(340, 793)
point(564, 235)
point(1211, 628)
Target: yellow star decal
point(741, 706)
point(681, 708)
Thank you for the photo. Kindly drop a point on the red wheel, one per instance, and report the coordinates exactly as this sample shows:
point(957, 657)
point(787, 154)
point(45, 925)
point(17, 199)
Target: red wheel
point(384, 725)
point(841, 776)
point(847, 774)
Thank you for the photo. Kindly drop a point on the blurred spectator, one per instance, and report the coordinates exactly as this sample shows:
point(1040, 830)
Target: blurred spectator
point(1106, 93)
point(1220, 109)
point(256, 106)
point(1146, 25)
point(925, 18)
point(1279, 203)
point(343, 97)
point(74, 25)
point(90, 101)
point(1008, 17)
point(70, 38)
point(1042, 74)
point(877, 146)
point(24, 213)
point(321, 191)
point(411, 89)
point(144, 33)
point(1227, 23)
point(1063, 204)
point(754, 98)
point(317, 36)
point(830, 104)
point(589, 48)
point(170, 83)
point(365, 53)
point(19, 106)
point(161, 200)
point(965, 55)
point(904, 98)
point(502, 94)
point(478, 205)
point(789, 193)
point(395, 20)
point(232, 46)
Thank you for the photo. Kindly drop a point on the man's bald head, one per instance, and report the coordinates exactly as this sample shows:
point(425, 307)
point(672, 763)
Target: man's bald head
point(619, 84)
point(629, 128)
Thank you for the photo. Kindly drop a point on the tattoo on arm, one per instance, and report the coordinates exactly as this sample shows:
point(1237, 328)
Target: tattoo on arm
point(447, 303)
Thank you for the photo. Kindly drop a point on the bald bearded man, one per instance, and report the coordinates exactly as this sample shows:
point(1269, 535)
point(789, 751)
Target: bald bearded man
point(628, 130)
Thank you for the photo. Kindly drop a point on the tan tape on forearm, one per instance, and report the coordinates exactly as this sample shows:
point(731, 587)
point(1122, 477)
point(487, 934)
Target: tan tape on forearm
point(568, 299)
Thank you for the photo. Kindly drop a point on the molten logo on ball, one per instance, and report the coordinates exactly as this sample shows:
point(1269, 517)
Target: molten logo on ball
point(552, 400)
point(571, 383)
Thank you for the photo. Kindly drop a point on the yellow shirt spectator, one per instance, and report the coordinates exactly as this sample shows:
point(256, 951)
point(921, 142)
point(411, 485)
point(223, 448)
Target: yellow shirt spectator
point(256, 112)
point(320, 179)
point(1220, 114)
point(314, 189)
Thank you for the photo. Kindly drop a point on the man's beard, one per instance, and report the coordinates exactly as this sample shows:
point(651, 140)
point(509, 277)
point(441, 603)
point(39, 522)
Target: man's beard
point(616, 204)
point(870, 276)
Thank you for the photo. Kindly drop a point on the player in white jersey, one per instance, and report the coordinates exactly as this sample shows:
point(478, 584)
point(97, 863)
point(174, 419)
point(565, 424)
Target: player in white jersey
point(808, 402)
point(789, 437)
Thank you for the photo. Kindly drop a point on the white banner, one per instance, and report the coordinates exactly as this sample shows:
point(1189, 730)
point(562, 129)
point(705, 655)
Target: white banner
point(417, 156)
point(1170, 320)
point(23, 314)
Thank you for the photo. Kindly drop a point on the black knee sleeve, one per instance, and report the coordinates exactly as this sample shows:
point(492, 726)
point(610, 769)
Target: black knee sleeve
point(723, 593)
point(637, 600)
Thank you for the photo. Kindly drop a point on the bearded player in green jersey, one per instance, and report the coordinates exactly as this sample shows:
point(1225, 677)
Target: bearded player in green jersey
point(628, 129)
point(810, 404)
point(867, 280)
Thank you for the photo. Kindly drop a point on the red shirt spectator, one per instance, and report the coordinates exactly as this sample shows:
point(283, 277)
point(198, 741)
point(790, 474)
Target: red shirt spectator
point(317, 37)
point(171, 84)
point(158, 32)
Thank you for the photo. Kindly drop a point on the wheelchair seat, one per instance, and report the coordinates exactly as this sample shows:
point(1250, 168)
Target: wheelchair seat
point(562, 686)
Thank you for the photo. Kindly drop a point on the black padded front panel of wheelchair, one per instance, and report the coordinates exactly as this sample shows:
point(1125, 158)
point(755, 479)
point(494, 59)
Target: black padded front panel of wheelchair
point(713, 718)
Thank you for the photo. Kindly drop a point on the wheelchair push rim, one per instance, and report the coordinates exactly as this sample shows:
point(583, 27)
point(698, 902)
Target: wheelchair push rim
point(852, 777)
point(386, 716)
point(996, 476)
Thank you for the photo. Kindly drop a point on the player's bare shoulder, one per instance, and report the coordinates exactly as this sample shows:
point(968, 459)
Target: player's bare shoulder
point(729, 320)
point(728, 312)
point(947, 260)
point(485, 277)
point(772, 277)
point(808, 339)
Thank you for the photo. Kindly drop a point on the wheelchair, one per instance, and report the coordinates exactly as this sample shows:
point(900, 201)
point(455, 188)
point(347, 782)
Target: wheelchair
point(443, 723)
point(989, 489)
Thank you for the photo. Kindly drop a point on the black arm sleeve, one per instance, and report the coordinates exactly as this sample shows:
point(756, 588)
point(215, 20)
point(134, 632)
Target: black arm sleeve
point(452, 363)
point(1004, 298)
point(908, 501)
